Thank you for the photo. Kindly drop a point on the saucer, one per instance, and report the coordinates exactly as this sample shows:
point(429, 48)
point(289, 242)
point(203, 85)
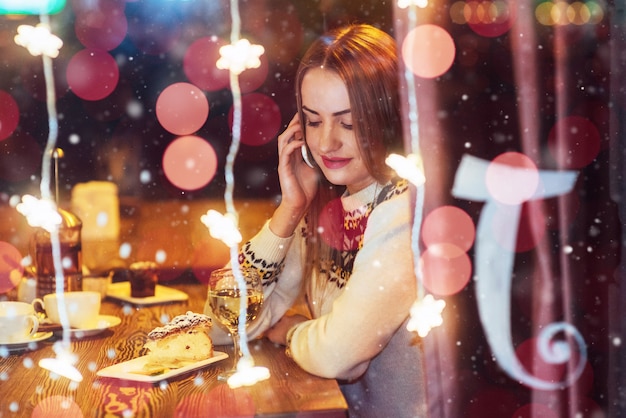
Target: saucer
point(28, 344)
point(162, 294)
point(101, 324)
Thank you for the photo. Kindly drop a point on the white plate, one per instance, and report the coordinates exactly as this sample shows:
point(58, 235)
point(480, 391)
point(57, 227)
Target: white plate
point(162, 294)
point(103, 323)
point(128, 369)
point(28, 344)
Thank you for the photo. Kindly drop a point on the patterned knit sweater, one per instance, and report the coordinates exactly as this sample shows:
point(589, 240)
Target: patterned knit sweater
point(359, 306)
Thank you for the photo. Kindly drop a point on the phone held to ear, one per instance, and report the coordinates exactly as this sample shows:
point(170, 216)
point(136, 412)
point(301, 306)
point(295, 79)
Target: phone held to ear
point(306, 156)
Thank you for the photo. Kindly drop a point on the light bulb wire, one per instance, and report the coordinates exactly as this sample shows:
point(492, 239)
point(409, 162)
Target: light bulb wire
point(230, 182)
point(415, 148)
point(53, 132)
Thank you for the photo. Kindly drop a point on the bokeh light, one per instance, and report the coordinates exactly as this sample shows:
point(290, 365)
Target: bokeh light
point(182, 108)
point(189, 162)
point(444, 275)
point(11, 268)
point(574, 142)
point(560, 13)
point(330, 216)
point(512, 178)
point(448, 233)
point(199, 64)
point(107, 7)
point(103, 25)
point(428, 51)
point(449, 225)
point(260, 119)
point(9, 115)
point(528, 354)
point(490, 18)
point(92, 74)
point(57, 407)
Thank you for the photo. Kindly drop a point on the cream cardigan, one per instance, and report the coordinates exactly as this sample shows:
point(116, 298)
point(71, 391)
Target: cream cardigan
point(357, 333)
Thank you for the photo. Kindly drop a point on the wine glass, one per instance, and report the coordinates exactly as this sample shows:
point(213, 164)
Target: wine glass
point(225, 296)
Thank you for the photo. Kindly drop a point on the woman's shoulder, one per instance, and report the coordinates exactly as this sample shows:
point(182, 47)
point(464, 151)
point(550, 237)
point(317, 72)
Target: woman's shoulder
point(396, 188)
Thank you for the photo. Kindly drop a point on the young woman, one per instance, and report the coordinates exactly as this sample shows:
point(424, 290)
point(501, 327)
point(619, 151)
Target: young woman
point(341, 235)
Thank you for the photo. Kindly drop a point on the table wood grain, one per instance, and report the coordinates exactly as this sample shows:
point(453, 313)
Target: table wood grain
point(27, 390)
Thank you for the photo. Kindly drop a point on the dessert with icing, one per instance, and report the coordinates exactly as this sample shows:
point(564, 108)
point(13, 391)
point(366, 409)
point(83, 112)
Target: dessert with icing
point(182, 341)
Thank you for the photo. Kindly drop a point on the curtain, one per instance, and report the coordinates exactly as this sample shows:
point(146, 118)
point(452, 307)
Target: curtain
point(521, 131)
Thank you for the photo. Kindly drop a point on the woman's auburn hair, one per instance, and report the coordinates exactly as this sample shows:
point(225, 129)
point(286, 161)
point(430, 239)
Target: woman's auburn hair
point(365, 59)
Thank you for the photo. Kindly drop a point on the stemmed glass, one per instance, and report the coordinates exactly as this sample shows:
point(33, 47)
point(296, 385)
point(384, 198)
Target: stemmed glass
point(225, 296)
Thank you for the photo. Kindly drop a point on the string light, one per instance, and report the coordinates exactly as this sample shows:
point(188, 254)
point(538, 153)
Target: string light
point(403, 4)
point(63, 364)
point(240, 56)
point(41, 213)
point(409, 167)
point(222, 227)
point(38, 40)
point(425, 312)
point(247, 374)
point(236, 57)
point(425, 315)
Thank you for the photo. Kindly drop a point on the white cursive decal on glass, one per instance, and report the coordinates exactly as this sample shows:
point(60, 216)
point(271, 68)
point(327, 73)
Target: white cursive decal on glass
point(494, 267)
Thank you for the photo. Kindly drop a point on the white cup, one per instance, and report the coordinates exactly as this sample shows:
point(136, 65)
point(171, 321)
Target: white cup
point(82, 308)
point(18, 322)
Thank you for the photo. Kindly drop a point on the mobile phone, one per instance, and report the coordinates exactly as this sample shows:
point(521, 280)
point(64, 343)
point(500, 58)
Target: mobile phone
point(306, 156)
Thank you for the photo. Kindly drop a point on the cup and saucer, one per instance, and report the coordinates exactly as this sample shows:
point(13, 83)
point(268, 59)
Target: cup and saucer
point(19, 327)
point(82, 309)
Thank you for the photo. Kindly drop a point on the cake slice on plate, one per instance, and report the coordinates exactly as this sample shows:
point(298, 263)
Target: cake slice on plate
point(182, 341)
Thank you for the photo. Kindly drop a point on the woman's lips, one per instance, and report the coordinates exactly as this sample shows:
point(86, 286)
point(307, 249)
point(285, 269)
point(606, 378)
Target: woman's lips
point(334, 163)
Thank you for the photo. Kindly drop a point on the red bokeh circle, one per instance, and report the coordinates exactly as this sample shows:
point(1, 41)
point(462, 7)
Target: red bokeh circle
point(189, 162)
point(92, 74)
point(9, 115)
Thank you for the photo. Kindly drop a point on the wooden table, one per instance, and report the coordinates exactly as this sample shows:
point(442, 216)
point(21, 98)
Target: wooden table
point(27, 390)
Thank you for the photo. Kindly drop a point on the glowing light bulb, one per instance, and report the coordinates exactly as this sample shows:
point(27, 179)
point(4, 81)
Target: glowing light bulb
point(38, 40)
point(222, 227)
point(426, 315)
point(39, 212)
point(409, 167)
point(240, 56)
point(403, 4)
point(247, 374)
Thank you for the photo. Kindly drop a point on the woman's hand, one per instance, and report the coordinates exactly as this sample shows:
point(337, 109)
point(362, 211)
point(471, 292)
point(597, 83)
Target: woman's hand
point(298, 181)
point(278, 333)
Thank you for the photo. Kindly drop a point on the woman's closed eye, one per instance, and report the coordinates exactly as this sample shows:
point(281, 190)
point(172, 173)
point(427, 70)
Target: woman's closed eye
point(347, 126)
point(312, 123)
point(315, 124)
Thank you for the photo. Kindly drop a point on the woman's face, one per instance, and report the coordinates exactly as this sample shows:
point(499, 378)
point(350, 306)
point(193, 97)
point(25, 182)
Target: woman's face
point(328, 130)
